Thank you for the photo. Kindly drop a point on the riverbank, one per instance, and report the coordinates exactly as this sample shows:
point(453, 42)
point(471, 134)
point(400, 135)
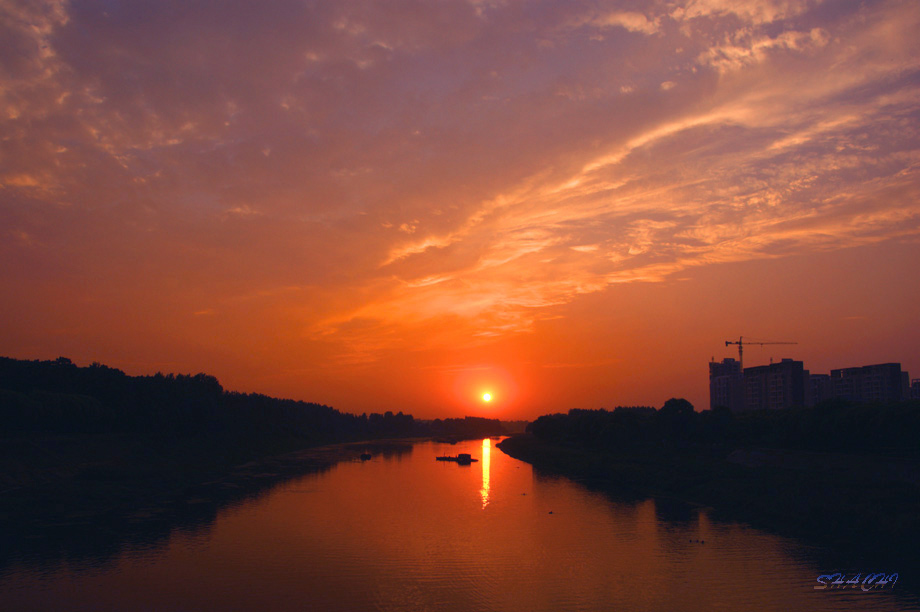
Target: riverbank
point(87, 496)
point(865, 504)
point(92, 455)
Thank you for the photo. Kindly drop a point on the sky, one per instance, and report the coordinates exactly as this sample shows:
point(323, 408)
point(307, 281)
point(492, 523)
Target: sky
point(403, 204)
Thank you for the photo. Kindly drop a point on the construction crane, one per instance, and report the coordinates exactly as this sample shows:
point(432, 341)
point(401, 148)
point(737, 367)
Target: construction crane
point(741, 342)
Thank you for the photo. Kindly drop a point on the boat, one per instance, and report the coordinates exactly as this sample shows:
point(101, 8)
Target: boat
point(462, 458)
point(365, 456)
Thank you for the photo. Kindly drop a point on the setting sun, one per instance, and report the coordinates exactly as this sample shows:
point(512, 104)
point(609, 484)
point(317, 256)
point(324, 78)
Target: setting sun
point(487, 397)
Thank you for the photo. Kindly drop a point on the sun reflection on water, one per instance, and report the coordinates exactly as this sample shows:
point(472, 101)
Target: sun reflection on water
point(484, 492)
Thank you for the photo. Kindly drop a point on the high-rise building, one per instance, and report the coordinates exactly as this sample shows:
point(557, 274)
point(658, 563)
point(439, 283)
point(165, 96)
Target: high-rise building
point(883, 382)
point(775, 386)
point(725, 385)
point(820, 387)
point(788, 384)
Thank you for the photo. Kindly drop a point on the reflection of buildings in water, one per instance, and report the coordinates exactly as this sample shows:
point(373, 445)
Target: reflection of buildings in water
point(486, 450)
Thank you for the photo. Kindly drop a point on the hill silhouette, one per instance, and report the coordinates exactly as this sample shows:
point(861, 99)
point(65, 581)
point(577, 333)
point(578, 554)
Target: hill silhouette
point(60, 397)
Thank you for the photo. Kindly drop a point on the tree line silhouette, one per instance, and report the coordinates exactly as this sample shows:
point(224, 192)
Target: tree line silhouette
point(836, 425)
point(60, 397)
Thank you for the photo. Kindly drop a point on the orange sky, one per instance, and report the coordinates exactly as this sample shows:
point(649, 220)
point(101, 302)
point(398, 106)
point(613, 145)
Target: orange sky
point(401, 205)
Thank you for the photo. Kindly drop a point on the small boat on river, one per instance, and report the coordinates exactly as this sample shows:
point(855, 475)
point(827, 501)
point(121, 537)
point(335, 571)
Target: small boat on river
point(462, 458)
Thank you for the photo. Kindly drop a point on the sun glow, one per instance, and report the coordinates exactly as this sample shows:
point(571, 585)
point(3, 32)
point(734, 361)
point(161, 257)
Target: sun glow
point(487, 397)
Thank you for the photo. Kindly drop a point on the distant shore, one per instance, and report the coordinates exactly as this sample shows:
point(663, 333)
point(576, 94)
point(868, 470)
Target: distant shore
point(865, 504)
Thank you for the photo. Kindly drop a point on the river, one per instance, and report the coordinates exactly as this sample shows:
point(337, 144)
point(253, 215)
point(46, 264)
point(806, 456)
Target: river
point(402, 531)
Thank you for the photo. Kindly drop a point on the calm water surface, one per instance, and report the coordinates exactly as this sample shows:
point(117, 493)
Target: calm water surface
point(406, 532)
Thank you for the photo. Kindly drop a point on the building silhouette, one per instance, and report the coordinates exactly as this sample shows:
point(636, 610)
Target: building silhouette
point(787, 384)
point(883, 382)
point(820, 388)
point(775, 386)
point(726, 387)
